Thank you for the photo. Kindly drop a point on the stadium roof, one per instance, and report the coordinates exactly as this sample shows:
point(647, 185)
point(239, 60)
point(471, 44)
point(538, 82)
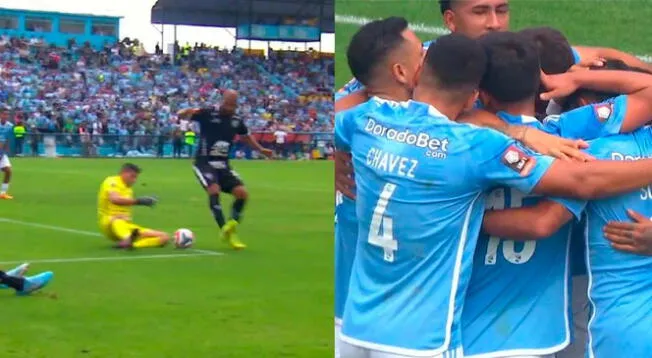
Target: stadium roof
point(230, 13)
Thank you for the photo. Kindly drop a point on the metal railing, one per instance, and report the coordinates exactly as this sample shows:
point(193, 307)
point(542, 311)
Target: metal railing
point(297, 145)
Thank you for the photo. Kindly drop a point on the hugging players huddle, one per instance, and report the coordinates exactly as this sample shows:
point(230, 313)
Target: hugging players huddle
point(456, 240)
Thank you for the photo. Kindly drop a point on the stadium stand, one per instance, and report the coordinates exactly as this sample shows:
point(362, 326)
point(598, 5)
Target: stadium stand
point(120, 100)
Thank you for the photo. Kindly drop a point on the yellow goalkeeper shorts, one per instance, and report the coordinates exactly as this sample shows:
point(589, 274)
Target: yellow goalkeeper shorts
point(118, 229)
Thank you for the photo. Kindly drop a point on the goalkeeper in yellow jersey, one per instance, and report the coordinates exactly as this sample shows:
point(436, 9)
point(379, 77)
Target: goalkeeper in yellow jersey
point(114, 202)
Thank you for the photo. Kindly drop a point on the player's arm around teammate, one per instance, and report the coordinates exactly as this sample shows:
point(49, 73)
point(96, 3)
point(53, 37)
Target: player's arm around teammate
point(590, 55)
point(549, 216)
point(115, 214)
point(634, 237)
point(636, 107)
point(543, 220)
point(535, 139)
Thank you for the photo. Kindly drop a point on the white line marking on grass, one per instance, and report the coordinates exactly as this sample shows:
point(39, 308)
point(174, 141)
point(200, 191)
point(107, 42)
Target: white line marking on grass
point(207, 252)
point(87, 233)
point(112, 258)
point(50, 227)
point(422, 28)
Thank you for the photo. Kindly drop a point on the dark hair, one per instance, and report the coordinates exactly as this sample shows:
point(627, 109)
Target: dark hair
point(555, 52)
point(445, 5)
point(455, 64)
point(572, 101)
point(513, 72)
point(130, 167)
point(371, 45)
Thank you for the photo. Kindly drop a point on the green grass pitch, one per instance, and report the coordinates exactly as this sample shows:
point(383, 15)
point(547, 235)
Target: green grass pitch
point(272, 300)
point(622, 24)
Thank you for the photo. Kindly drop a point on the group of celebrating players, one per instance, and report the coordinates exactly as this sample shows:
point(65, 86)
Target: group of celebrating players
point(487, 182)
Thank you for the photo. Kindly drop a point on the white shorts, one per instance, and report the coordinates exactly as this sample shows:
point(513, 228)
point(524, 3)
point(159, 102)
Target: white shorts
point(4, 162)
point(348, 350)
point(580, 307)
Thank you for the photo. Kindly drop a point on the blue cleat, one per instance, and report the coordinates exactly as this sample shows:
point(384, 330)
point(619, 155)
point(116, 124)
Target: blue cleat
point(18, 271)
point(35, 283)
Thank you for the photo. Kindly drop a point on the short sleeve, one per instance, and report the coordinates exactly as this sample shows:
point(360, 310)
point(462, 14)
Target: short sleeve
point(591, 121)
point(574, 206)
point(109, 185)
point(201, 115)
point(242, 128)
point(342, 132)
point(576, 55)
point(352, 86)
point(501, 161)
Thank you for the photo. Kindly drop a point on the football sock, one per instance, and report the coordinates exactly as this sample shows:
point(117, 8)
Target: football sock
point(238, 206)
point(4, 187)
point(147, 242)
point(216, 209)
point(17, 283)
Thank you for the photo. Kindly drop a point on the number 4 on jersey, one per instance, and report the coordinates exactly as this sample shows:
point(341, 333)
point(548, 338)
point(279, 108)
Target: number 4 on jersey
point(380, 232)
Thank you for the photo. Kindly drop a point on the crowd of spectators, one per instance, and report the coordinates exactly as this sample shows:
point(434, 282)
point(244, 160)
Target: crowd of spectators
point(122, 90)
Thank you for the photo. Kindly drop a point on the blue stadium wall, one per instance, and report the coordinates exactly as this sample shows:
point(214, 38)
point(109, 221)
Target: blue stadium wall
point(58, 28)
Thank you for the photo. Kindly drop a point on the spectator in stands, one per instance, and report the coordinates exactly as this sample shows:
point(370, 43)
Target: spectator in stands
point(177, 143)
point(120, 91)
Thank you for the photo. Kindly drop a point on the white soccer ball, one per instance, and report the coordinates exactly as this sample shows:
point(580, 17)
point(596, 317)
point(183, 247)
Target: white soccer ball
point(183, 238)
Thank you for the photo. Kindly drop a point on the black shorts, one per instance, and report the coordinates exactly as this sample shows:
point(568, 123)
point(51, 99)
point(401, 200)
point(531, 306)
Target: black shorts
point(226, 178)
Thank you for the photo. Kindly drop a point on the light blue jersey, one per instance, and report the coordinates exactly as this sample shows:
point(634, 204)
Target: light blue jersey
point(522, 287)
point(576, 55)
point(518, 287)
point(590, 121)
point(346, 237)
point(353, 85)
point(420, 181)
point(587, 122)
point(620, 284)
point(6, 131)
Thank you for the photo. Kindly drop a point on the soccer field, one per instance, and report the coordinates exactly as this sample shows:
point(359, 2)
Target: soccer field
point(622, 24)
point(272, 300)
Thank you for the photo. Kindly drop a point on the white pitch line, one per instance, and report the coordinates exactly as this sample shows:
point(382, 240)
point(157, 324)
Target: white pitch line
point(207, 252)
point(199, 252)
point(50, 227)
point(111, 258)
point(421, 28)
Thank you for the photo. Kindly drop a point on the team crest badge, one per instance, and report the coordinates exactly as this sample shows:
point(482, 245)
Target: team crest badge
point(234, 123)
point(603, 111)
point(517, 160)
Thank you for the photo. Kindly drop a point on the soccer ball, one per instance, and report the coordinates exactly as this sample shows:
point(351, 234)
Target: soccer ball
point(183, 238)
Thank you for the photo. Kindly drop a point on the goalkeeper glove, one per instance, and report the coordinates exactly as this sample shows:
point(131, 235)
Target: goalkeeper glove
point(146, 201)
